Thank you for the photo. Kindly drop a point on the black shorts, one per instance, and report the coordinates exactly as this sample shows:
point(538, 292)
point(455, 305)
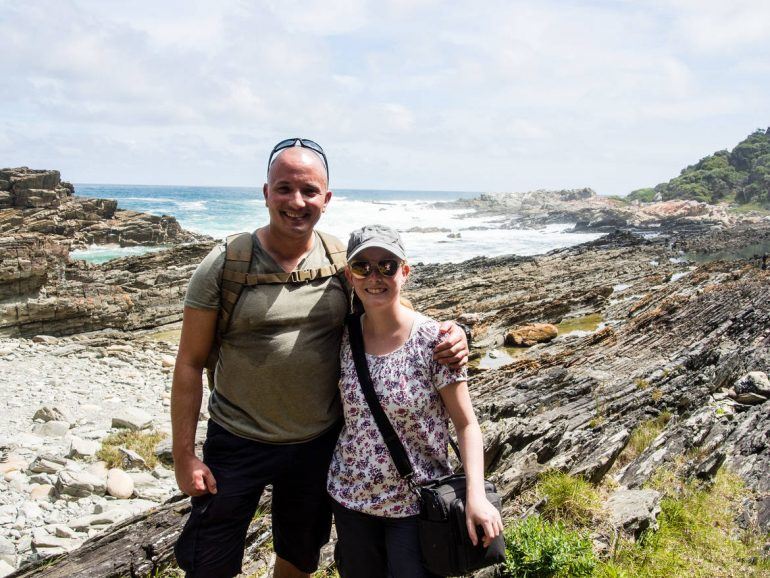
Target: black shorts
point(377, 547)
point(213, 539)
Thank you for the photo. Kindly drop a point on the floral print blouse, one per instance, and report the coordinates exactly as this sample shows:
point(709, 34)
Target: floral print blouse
point(362, 475)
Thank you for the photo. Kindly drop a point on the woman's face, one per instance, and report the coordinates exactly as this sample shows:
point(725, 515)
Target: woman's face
point(376, 289)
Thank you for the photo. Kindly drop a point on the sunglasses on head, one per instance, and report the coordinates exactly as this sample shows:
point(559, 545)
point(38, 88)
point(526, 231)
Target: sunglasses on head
point(298, 142)
point(386, 267)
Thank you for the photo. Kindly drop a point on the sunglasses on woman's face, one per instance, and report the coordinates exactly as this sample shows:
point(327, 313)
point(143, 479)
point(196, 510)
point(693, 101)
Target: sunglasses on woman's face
point(386, 267)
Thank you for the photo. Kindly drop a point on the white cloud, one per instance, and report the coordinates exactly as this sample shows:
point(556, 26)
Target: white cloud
point(419, 94)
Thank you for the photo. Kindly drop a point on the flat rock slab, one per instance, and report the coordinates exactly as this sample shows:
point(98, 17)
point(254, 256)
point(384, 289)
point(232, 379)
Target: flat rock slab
point(634, 510)
point(80, 484)
point(132, 418)
point(52, 429)
point(80, 448)
point(47, 464)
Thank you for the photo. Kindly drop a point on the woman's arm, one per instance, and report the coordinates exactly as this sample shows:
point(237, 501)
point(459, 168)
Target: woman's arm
point(478, 510)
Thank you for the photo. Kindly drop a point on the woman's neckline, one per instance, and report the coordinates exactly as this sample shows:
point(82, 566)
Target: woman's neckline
point(412, 332)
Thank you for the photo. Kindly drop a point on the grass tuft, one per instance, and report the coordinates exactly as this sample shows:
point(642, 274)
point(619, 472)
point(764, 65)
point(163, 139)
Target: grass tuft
point(570, 499)
point(141, 442)
point(642, 436)
point(698, 535)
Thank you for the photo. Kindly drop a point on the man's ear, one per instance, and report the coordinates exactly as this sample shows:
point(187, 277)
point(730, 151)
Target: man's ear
point(406, 269)
point(264, 192)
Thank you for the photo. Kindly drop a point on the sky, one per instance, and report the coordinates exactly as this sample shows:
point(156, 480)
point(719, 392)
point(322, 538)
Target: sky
point(402, 94)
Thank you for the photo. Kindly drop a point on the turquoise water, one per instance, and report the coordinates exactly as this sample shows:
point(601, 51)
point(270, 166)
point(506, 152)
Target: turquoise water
point(221, 211)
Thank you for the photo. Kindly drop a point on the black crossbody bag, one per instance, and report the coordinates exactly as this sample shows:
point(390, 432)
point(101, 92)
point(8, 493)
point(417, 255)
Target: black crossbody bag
point(447, 549)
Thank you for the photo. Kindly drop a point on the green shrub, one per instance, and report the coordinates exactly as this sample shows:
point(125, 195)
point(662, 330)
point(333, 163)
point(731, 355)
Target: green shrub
point(570, 499)
point(537, 548)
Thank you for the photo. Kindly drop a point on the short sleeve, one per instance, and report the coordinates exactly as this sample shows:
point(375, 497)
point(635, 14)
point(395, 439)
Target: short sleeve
point(441, 375)
point(204, 288)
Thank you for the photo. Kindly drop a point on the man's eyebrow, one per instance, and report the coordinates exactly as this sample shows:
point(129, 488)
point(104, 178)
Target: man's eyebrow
point(306, 186)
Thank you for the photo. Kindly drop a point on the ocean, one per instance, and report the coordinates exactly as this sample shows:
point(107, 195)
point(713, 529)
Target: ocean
point(432, 232)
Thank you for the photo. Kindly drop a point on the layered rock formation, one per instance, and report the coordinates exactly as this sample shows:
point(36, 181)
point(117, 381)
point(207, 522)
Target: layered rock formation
point(43, 294)
point(43, 291)
point(676, 338)
point(26, 188)
point(38, 201)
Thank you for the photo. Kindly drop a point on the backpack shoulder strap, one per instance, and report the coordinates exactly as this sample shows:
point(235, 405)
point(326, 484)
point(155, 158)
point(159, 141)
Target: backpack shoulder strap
point(335, 250)
point(238, 251)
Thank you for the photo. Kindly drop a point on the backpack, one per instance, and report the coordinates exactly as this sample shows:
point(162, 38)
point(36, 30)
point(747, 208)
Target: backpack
point(236, 276)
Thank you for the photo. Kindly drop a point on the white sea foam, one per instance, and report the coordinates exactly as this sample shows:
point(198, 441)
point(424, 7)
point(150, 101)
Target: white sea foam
point(221, 211)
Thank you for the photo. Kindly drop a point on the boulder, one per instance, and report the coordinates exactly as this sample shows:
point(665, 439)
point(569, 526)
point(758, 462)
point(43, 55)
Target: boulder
point(634, 511)
point(755, 382)
point(52, 413)
point(13, 463)
point(119, 484)
point(7, 550)
point(132, 418)
point(80, 448)
point(6, 569)
point(41, 492)
point(80, 484)
point(47, 339)
point(528, 335)
point(51, 429)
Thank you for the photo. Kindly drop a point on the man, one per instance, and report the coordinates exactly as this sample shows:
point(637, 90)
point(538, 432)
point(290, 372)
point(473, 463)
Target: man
point(274, 410)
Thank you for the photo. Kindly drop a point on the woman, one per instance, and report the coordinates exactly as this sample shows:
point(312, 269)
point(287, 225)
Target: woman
point(375, 510)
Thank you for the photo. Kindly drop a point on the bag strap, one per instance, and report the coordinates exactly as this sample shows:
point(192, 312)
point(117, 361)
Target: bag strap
point(395, 447)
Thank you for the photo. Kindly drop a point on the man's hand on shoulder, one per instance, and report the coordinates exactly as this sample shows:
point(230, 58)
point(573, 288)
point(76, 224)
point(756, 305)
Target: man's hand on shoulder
point(452, 350)
point(194, 477)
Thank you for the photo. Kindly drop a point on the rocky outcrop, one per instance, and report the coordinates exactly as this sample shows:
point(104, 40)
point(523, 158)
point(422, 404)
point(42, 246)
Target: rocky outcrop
point(590, 211)
point(676, 337)
point(78, 222)
point(26, 188)
point(74, 297)
point(43, 291)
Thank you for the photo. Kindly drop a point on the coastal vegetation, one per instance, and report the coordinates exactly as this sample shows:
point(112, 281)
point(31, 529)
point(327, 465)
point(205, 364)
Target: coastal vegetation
point(741, 176)
point(143, 443)
point(697, 535)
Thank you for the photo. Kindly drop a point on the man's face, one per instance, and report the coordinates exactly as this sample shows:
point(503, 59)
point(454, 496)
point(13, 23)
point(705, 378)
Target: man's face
point(296, 192)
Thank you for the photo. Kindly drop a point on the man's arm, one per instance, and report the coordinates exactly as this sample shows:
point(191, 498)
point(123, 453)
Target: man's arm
point(452, 350)
point(198, 327)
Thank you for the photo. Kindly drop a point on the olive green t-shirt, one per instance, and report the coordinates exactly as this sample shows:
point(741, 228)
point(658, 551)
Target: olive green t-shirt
point(276, 379)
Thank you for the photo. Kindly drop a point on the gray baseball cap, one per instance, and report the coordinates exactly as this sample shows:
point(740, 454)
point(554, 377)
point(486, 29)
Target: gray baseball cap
point(376, 236)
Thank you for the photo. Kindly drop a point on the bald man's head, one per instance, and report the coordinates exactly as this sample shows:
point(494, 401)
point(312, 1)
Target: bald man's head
point(298, 158)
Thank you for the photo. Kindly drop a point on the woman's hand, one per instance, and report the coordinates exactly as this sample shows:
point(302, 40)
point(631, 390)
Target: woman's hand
point(481, 512)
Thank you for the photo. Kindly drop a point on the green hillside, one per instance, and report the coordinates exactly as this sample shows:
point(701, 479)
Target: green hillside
point(741, 175)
